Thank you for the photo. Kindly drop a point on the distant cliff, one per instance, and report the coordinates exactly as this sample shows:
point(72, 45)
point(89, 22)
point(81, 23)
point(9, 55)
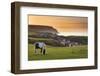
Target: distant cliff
point(42, 29)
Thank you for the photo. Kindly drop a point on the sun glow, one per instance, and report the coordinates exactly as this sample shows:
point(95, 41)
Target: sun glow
point(64, 25)
point(72, 34)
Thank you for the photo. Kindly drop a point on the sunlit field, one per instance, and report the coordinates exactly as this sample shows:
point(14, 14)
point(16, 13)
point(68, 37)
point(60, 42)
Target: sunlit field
point(53, 53)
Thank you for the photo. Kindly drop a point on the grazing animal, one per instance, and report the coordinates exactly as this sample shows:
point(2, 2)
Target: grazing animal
point(40, 45)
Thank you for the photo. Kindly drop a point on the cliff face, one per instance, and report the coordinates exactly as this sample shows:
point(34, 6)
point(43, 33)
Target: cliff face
point(42, 29)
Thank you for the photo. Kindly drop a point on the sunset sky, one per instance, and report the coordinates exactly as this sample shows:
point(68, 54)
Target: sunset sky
point(66, 26)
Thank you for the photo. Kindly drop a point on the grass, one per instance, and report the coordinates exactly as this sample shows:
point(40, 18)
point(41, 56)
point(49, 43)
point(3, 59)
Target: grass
point(58, 53)
point(39, 38)
point(32, 33)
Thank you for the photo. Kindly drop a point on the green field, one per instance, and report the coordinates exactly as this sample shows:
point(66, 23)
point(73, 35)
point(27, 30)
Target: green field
point(58, 53)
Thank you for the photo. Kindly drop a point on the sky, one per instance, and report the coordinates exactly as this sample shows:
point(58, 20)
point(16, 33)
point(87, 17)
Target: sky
point(65, 25)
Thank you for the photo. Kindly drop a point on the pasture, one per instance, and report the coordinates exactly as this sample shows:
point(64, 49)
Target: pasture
point(53, 53)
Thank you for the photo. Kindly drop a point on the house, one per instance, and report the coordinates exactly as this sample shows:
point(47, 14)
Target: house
point(71, 43)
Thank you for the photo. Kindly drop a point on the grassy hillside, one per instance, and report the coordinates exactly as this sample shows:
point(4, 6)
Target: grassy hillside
point(55, 48)
point(58, 53)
